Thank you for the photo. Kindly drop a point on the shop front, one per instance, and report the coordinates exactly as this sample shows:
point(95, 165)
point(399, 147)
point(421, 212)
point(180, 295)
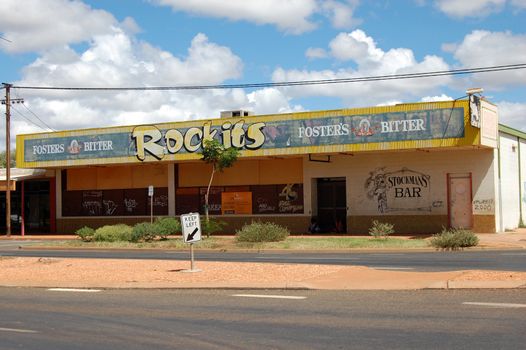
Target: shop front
point(419, 166)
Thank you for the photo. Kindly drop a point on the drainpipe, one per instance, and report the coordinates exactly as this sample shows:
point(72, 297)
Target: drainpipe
point(501, 219)
point(521, 222)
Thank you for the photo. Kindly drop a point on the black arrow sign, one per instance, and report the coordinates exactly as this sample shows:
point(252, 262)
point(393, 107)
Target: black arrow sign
point(191, 235)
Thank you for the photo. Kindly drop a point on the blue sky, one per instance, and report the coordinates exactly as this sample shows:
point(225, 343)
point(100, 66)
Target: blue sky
point(184, 42)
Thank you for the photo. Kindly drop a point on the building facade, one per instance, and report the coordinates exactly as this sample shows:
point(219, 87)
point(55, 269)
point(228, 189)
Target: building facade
point(420, 166)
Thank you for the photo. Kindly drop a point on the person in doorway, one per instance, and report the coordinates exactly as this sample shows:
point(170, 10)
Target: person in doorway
point(314, 227)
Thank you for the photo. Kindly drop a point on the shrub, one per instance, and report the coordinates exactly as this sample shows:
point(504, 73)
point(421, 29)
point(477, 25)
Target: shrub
point(167, 226)
point(113, 233)
point(85, 233)
point(381, 229)
point(212, 226)
point(262, 232)
point(144, 232)
point(454, 239)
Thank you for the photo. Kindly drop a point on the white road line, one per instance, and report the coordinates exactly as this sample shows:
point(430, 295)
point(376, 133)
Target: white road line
point(296, 258)
point(268, 296)
point(16, 330)
point(74, 290)
point(495, 304)
point(390, 268)
point(513, 254)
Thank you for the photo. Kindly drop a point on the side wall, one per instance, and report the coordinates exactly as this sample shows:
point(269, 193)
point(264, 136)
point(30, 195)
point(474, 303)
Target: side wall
point(421, 207)
point(511, 183)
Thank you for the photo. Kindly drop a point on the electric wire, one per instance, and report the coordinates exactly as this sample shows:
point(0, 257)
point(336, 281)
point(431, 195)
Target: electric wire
point(36, 116)
point(452, 72)
point(29, 120)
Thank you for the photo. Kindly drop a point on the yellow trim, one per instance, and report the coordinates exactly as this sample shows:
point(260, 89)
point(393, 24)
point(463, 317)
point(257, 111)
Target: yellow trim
point(471, 135)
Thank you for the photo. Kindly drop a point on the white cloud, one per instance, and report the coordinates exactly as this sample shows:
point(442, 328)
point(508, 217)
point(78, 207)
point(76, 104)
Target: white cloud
point(34, 25)
point(370, 60)
point(117, 59)
point(482, 48)
point(469, 8)
point(340, 13)
point(315, 52)
point(291, 16)
point(270, 100)
point(442, 97)
point(512, 114)
point(519, 3)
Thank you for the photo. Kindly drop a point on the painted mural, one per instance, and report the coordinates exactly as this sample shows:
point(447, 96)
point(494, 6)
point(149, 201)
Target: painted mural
point(404, 190)
point(172, 141)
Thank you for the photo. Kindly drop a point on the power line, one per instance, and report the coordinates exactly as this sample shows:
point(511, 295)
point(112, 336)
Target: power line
point(3, 38)
point(462, 71)
point(36, 116)
point(29, 120)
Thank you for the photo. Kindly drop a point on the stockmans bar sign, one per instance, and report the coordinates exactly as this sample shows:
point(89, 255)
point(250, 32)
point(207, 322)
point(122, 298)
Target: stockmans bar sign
point(442, 124)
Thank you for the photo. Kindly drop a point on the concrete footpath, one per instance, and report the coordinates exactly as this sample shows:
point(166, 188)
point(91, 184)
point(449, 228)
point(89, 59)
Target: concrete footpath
point(117, 273)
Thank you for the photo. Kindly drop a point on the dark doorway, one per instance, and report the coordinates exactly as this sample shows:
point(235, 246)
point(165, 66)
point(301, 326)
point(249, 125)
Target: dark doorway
point(36, 207)
point(332, 205)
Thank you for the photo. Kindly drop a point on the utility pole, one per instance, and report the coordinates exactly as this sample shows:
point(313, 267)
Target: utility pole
point(7, 103)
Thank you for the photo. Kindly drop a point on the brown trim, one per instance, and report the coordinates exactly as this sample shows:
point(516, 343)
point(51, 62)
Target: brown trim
point(52, 205)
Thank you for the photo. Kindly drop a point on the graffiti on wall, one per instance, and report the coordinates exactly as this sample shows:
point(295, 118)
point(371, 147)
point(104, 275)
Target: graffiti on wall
point(484, 206)
point(401, 190)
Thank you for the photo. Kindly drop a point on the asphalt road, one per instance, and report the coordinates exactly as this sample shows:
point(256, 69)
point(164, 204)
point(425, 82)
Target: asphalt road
point(225, 319)
point(503, 260)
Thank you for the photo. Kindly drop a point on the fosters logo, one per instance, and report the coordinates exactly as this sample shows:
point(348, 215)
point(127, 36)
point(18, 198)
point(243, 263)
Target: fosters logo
point(149, 139)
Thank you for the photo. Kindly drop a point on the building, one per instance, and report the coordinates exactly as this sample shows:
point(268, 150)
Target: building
point(420, 166)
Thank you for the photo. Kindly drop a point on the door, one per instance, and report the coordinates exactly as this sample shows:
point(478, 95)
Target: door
point(459, 201)
point(332, 205)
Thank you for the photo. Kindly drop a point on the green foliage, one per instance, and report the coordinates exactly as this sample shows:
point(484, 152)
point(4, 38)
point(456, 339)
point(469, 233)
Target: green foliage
point(144, 232)
point(216, 154)
point(262, 232)
point(85, 233)
point(113, 233)
point(381, 229)
point(167, 226)
point(211, 226)
point(3, 162)
point(454, 239)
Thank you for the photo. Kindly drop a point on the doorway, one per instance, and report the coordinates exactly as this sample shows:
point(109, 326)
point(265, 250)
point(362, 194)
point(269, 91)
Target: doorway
point(332, 204)
point(459, 201)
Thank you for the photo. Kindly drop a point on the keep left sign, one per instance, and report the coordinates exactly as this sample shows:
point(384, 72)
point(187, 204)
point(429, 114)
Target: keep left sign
point(191, 225)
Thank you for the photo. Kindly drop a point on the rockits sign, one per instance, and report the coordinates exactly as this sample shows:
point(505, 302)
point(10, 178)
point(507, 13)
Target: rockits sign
point(149, 138)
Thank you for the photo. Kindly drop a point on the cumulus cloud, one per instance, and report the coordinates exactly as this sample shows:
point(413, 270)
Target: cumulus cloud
point(365, 58)
point(471, 8)
point(483, 48)
point(512, 114)
point(291, 16)
point(315, 52)
point(118, 59)
point(34, 25)
point(442, 97)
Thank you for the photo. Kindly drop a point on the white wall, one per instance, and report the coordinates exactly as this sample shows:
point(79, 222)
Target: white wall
point(509, 178)
point(357, 169)
point(523, 179)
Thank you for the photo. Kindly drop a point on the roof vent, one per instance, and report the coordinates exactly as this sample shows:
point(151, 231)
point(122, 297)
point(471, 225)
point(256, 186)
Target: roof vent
point(236, 113)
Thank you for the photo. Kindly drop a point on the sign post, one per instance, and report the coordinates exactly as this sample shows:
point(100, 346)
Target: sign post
point(191, 225)
point(150, 194)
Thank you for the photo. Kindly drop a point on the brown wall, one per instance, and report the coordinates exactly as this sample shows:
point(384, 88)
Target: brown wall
point(484, 224)
point(406, 224)
point(296, 224)
point(244, 172)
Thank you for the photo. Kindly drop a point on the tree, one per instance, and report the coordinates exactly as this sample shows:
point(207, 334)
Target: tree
point(221, 158)
point(3, 161)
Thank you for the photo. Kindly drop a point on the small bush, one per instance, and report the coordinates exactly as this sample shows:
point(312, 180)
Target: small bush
point(262, 232)
point(113, 233)
point(167, 226)
point(212, 226)
point(144, 232)
point(85, 233)
point(454, 239)
point(381, 229)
